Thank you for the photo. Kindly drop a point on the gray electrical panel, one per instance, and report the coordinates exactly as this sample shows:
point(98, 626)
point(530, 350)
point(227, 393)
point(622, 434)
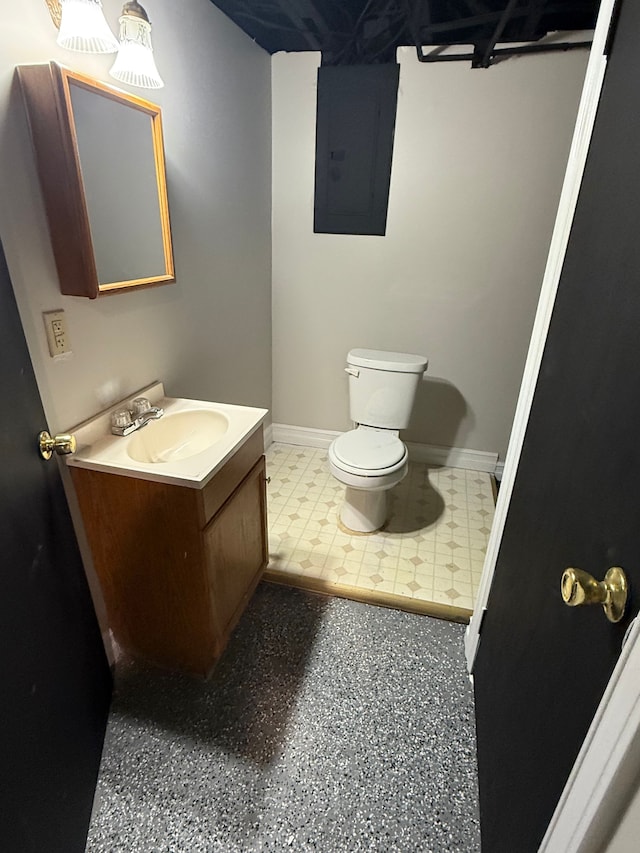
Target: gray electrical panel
point(355, 120)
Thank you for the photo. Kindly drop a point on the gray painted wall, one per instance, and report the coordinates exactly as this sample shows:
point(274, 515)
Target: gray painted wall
point(479, 158)
point(209, 335)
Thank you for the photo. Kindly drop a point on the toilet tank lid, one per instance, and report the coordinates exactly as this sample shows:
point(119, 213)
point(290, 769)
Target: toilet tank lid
point(400, 362)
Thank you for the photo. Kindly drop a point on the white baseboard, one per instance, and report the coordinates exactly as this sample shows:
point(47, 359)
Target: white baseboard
point(453, 457)
point(268, 436)
point(304, 436)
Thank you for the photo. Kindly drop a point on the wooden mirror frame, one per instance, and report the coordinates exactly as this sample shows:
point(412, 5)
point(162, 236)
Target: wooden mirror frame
point(47, 96)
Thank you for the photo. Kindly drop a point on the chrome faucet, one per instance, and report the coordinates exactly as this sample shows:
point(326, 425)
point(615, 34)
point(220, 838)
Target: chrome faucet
point(126, 421)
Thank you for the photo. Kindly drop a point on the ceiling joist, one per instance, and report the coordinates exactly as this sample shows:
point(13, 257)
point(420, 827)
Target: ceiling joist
point(497, 33)
point(351, 32)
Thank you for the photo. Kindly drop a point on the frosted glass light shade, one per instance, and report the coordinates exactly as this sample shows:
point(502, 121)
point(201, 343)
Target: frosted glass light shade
point(134, 63)
point(84, 28)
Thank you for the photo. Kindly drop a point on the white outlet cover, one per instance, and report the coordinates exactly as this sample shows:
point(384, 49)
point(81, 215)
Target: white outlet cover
point(57, 335)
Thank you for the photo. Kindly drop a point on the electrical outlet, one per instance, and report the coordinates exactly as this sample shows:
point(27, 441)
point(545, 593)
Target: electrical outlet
point(57, 335)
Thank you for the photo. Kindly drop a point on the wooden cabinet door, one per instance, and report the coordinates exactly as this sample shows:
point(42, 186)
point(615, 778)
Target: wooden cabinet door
point(236, 549)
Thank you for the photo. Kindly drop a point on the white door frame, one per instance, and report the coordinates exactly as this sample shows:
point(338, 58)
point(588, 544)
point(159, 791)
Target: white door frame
point(606, 769)
point(559, 240)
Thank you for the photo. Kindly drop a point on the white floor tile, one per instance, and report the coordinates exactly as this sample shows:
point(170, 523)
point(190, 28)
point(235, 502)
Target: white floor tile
point(433, 549)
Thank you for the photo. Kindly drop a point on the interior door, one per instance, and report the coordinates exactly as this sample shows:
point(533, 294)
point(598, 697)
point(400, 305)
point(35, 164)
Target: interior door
point(542, 667)
point(56, 684)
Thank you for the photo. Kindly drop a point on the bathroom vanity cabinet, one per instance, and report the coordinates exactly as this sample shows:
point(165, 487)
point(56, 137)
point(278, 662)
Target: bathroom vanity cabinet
point(177, 565)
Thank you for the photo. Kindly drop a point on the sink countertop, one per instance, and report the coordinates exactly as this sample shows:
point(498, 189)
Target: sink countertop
point(99, 450)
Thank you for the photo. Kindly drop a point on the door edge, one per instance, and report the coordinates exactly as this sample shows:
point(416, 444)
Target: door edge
point(605, 773)
point(585, 120)
point(608, 764)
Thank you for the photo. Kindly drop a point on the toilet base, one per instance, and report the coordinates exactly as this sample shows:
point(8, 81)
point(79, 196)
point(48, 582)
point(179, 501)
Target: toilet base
point(364, 511)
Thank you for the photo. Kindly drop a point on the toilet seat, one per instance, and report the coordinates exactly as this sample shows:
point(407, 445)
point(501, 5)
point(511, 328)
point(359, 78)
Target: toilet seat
point(365, 503)
point(368, 452)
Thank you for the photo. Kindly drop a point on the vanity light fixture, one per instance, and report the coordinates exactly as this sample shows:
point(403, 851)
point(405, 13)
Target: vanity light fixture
point(83, 26)
point(134, 63)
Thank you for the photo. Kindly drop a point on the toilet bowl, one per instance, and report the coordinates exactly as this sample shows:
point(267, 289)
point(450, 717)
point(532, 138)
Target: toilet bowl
point(371, 459)
point(368, 462)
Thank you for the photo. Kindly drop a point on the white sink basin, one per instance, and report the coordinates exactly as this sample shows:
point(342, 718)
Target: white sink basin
point(177, 436)
point(185, 447)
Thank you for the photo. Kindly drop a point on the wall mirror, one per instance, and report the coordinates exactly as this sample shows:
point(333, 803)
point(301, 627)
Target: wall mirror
point(100, 159)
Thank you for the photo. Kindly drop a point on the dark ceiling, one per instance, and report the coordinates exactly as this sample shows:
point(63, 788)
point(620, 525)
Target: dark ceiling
point(350, 32)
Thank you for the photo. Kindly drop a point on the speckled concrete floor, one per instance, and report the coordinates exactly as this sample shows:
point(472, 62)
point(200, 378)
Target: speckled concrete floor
point(328, 726)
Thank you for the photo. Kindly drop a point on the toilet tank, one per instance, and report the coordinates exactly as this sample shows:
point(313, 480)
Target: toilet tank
point(382, 386)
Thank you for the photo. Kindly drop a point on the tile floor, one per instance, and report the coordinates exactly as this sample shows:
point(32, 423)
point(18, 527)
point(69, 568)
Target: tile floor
point(428, 558)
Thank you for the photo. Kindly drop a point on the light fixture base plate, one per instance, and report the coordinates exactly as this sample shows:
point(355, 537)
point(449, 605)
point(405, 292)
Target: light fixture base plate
point(55, 10)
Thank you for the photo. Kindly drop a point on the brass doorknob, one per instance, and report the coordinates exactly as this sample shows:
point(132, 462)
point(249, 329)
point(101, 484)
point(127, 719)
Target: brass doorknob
point(579, 587)
point(62, 444)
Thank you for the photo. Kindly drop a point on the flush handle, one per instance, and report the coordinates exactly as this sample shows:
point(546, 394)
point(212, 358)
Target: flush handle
point(352, 371)
point(62, 444)
point(579, 587)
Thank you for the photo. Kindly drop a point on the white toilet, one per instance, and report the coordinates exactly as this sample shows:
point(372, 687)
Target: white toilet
point(371, 459)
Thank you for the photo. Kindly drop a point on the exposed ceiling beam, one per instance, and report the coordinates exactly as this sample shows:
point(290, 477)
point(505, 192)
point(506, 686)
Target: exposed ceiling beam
point(497, 33)
point(318, 17)
point(262, 15)
point(291, 10)
point(368, 31)
point(436, 55)
point(265, 24)
point(418, 13)
point(536, 10)
point(341, 10)
point(476, 7)
point(492, 18)
point(350, 42)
